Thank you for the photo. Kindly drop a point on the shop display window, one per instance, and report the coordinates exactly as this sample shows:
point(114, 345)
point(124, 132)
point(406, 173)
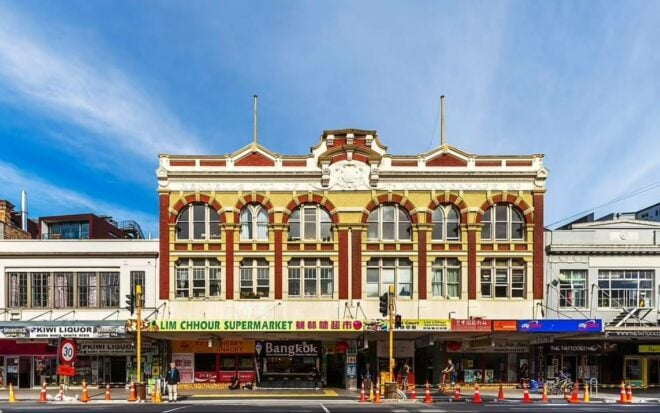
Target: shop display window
point(45, 370)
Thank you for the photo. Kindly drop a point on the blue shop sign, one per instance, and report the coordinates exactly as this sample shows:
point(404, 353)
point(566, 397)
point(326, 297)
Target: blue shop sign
point(560, 326)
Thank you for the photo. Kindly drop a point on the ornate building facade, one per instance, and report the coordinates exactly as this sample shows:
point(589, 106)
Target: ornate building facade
point(257, 235)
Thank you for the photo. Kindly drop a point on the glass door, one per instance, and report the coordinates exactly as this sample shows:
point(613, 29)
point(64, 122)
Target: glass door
point(654, 371)
point(634, 369)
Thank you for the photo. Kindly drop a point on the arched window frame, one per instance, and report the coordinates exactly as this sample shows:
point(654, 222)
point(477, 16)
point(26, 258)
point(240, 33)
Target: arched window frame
point(503, 222)
point(446, 223)
point(310, 222)
point(389, 219)
point(198, 221)
point(254, 223)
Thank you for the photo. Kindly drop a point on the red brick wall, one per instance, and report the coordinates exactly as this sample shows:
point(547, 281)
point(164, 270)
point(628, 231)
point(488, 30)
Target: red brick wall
point(446, 160)
point(343, 264)
point(255, 159)
point(164, 246)
point(538, 246)
point(230, 265)
point(421, 254)
point(472, 264)
point(278, 263)
point(356, 262)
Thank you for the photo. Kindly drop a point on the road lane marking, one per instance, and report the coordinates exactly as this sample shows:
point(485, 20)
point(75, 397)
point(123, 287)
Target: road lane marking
point(177, 408)
point(325, 409)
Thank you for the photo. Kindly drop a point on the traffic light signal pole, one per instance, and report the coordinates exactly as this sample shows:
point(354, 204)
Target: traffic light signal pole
point(138, 306)
point(391, 329)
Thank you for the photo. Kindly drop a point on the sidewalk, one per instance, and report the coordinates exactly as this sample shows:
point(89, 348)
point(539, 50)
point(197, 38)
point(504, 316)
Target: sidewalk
point(120, 395)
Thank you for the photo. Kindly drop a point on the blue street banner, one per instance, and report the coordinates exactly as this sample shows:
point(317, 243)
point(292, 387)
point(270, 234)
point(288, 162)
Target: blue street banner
point(560, 326)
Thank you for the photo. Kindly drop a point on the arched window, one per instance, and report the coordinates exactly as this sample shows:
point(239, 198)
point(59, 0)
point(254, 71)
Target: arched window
point(198, 221)
point(389, 223)
point(445, 223)
point(310, 222)
point(506, 220)
point(254, 223)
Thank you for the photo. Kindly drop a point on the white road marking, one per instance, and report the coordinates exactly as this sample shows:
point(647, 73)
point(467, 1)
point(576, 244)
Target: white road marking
point(325, 409)
point(177, 408)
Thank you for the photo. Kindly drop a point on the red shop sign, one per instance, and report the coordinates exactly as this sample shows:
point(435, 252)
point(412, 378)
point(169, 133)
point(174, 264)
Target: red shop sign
point(472, 325)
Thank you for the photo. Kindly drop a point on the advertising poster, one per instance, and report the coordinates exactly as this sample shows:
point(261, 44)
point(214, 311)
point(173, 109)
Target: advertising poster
point(184, 362)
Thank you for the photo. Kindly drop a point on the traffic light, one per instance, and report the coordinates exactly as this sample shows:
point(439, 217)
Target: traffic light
point(397, 321)
point(130, 303)
point(384, 304)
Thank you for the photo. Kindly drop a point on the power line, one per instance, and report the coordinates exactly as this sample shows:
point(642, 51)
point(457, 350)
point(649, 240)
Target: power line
point(610, 202)
point(435, 126)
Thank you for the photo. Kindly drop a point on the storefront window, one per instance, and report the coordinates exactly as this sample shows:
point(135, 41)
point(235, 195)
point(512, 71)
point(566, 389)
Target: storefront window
point(86, 369)
point(45, 370)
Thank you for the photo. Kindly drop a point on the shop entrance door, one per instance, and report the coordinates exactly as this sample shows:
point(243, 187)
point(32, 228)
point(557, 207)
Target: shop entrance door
point(24, 372)
point(336, 370)
point(654, 371)
point(569, 365)
point(118, 369)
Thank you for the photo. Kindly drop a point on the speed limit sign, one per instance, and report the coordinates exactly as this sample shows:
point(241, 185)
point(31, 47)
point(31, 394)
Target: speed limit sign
point(68, 351)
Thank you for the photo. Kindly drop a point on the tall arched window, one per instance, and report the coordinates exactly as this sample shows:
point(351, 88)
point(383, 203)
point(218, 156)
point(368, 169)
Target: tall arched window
point(389, 223)
point(506, 220)
point(254, 223)
point(198, 221)
point(445, 223)
point(310, 222)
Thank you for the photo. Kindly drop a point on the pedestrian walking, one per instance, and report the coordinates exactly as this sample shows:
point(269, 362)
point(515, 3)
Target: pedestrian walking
point(173, 379)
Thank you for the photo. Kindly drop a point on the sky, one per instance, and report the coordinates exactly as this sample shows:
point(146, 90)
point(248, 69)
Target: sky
point(92, 92)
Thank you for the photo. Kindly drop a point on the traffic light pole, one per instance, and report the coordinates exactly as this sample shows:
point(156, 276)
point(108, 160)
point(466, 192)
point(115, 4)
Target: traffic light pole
point(138, 306)
point(391, 330)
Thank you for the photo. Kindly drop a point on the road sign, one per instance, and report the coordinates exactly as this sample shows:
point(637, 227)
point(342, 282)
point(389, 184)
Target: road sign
point(68, 351)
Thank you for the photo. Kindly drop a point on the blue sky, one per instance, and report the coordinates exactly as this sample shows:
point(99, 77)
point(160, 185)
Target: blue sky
point(91, 92)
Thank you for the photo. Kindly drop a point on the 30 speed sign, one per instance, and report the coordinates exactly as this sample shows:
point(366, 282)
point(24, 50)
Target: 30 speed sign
point(68, 351)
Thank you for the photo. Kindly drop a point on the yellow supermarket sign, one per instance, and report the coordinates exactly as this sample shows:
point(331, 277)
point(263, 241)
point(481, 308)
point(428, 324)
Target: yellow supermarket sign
point(257, 325)
point(649, 348)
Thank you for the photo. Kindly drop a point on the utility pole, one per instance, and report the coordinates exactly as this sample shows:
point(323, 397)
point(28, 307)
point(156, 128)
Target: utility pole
point(391, 330)
point(138, 306)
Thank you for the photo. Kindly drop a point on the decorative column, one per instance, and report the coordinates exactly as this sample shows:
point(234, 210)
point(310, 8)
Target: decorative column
point(422, 249)
point(277, 238)
point(229, 242)
point(164, 245)
point(472, 260)
point(538, 245)
point(342, 235)
point(356, 263)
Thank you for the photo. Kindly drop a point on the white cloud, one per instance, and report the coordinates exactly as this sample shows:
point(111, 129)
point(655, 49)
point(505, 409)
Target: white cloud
point(45, 198)
point(87, 92)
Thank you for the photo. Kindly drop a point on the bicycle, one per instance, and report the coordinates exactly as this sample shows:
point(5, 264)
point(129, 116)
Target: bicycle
point(561, 384)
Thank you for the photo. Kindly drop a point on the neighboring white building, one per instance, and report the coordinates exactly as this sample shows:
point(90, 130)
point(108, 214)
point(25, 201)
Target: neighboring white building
point(651, 213)
point(55, 289)
point(606, 269)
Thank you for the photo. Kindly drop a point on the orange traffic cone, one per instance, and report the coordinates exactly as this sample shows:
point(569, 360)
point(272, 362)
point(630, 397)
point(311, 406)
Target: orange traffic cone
point(42, 396)
point(477, 395)
point(377, 399)
point(623, 398)
point(12, 398)
point(500, 394)
point(629, 396)
point(427, 394)
point(526, 398)
point(544, 397)
point(131, 395)
point(457, 393)
point(363, 396)
point(85, 395)
point(575, 398)
point(413, 394)
point(107, 392)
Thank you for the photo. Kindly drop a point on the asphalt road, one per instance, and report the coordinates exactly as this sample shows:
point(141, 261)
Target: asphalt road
point(322, 406)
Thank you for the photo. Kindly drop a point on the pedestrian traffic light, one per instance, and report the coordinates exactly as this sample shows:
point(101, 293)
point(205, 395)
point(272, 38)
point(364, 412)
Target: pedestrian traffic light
point(384, 304)
point(130, 303)
point(397, 321)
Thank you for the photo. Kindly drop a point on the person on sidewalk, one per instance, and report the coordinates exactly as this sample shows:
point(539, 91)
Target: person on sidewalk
point(449, 372)
point(405, 371)
point(173, 379)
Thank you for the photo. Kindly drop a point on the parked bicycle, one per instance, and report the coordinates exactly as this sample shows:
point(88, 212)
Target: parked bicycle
point(561, 384)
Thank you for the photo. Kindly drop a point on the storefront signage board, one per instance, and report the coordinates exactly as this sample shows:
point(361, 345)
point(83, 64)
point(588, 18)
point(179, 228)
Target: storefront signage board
point(184, 362)
point(112, 348)
point(649, 348)
point(471, 325)
point(634, 333)
point(258, 325)
point(217, 346)
point(505, 325)
point(560, 326)
point(410, 325)
point(582, 348)
point(66, 331)
point(287, 348)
